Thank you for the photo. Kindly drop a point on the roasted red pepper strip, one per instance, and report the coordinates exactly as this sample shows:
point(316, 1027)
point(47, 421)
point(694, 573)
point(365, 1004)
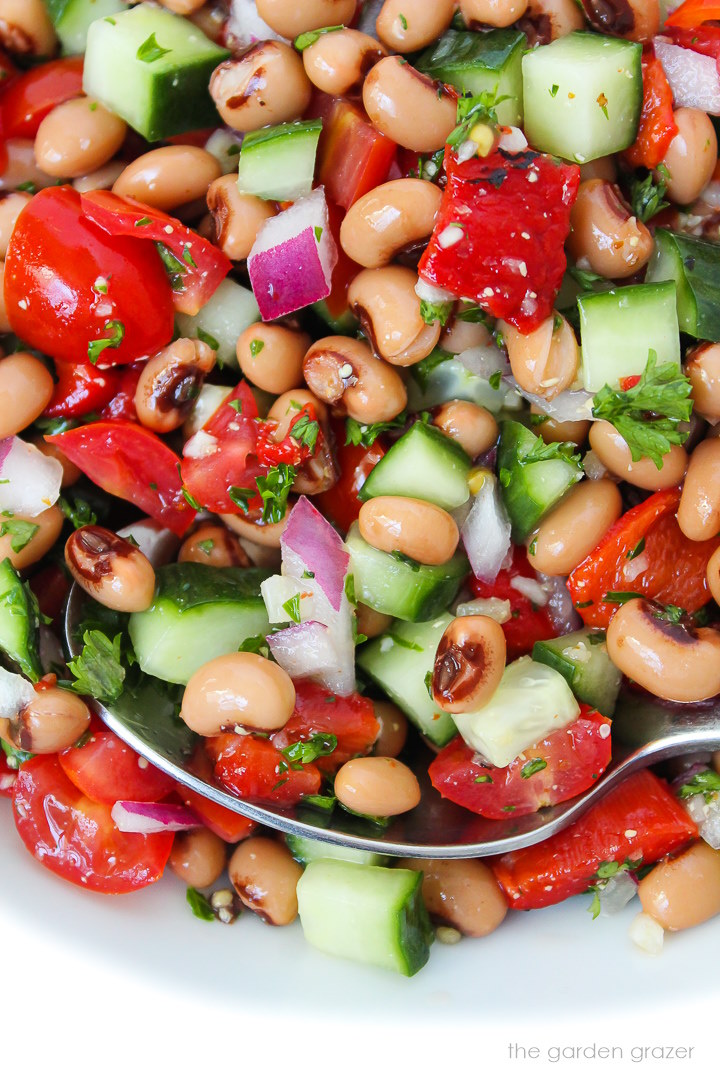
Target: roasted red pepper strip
point(528, 623)
point(657, 125)
point(673, 567)
point(500, 234)
point(694, 12)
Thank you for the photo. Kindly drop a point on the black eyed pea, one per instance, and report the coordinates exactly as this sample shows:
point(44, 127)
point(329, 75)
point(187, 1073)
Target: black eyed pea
point(377, 786)
point(267, 85)
point(265, 876)
point(78, 137)
point(110, 569)
point(238, 690)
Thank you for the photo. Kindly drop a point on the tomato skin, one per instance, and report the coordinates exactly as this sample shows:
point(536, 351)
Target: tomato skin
point(133, 463)
point(351, 719)
point(353, 157)
point(229, 826)
point(51, 587)
point(204, 265)
point(355, 463)
point(694, 12)
point(524, 267)
point(527, 624)
point(566, 864)
point(81, 389)
point(575, 757)
point(345, 268)
point(121, 405)
point(7, 778)
point(657, 125)
point(26, 101)
point(704, 40)
point(55, 257)
point(252, 768)
point(675, 571)
point(76, 837)
point(105, 770)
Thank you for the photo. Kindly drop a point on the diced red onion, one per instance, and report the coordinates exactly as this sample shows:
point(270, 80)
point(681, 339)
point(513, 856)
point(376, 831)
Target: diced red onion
point(313, 540)
point(486, 532)
point(432, 293)
point(29, 481)
point(512, 140)
point(560, 608)
point(693, 78)
point(593, 466)
point(245, 27)
point(491, 606)
point(293, 257)
point(311, 650)
point(149, 817)
point(531, 589)
point(224, 144)
point(570, 405)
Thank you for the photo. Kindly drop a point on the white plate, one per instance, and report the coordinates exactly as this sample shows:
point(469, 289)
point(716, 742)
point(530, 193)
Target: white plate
point(544, 962)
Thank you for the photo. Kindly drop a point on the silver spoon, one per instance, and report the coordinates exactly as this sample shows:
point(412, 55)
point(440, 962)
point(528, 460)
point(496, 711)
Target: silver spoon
point(645, 731)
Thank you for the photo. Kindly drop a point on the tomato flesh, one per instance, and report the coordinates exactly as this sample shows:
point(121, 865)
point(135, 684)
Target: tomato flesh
point(512, 271)
point(131, 462)
point(106, 770)
point(76, 837)
point(674, 566)
point(81, 389)
point(528, 622)
point(57, 259)
point(639, 819)
point(229, 826)
point(353, 157)
point(121, 405)
point(27, 100)
point(657, 124)
point(351, 719)
point(341, 503)
point(252, 768)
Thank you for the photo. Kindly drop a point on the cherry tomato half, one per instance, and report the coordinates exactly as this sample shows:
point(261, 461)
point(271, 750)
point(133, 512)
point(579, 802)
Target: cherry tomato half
point(27, 100)
point(105, 769)
point(351, 719)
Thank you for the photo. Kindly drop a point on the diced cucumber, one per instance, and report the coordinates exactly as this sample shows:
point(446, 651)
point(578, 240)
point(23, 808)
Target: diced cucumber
point(367, 913)
point(199, 613)
point(399, 662)
point(19, 622)
point(229, 311)
point(474, 63)
point(72, 19)
point(396, 587)
point(531, 483)
point(305, 850)
point(344, 323)
point(153, 69)
point(582, 660)
point(531, 701)
point(694, 266)
point(583, 95)
point(442, 377)
point(279, 162)
point(618, 328)
point(422, 464)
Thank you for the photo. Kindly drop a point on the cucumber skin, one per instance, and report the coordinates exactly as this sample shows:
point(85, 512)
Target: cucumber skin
point(72, 18)
point(697, 278)
point(18, 608)
point(306, 851)
point(525, 508)
point(602, 695)
point(422, 440)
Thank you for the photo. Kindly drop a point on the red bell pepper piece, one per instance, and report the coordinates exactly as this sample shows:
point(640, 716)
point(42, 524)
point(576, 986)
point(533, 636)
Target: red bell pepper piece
point(529, 623)
point(693, 13)
point(638, 820)
point(657, 125)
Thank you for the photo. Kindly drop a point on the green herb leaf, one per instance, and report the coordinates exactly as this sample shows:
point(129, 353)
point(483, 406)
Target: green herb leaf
point(150, 50)
point(587, 278)
point(403, 558)
point(670, 613)
point(483, 778)
point(320, 802)
point(115, 333)
point(304, 41)
point(274, 490)
point(241, 496)
point(474, 315)
point(256, 346)
point(539, 450)
point(236, 405)
point(256, 644)
point(292, 606)
point(176, 270)
point(428, 684)
point(14, 757)
point(647, 198)
point(20, 532)
point(306, 751)
point(357, 434)
point(98, 669)
point(199, 905)
point(208, 339)
point(190, 499)
point(637, 550)
point(474, 109)
point(620, 597)
point(350, 589)
point(306, 431)
point(705, 783)
point(79, 512)
point(531, 767)
point(206, 546)
point(403, 21)
point(495, 380)
point(431, 313)
point(187, 256)
point(403, 642)
point(649, 414)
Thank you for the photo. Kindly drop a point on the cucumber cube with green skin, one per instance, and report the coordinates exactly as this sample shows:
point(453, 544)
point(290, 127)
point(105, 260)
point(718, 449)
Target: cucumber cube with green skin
point(618, 329)
point(422, 464)
point(72, 19)
point(481, 62)
point(153, 69)
point(582, 660)
point(530, 484)
point(279, 162)
point(583, 96)
point(220, 322)
point(399, 661)
point(441, 377)
point(305, 850)
point(372, 914)
point(19, 622)
point(694, 266)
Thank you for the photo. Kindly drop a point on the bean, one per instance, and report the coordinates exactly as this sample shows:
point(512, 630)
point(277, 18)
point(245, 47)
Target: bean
point(474, 427)
point(699, 511)
point(78, 137)
point(702, 367)
point(712, 574)
point(390, 218)
point(271, 356)
point(238, 218)
point(198, 857)
point(26, 28)
point(48, 526)
point(603, 168)
point(267, 85)
point(668, 660)
point(22, 168)
point(408, 25)
point(5, 327)
point(614, 453)
point(51, 722)
point(395, 95)
point(683, 891)
point(110, 569)
point(393, 729)
point(605, 236)
point(422, 531)
point(371, 623)
point(170, 382)
point(26, 387)
point(388, 308)
point(469, 664)
point(459, 335)
point(289, 18)
point(101, 179)
point(716, 761)
point(343, 370)
point(266, 536)
point(573, 528)
point(337, 63)
point(238, 690)
point(691, 157)
point(462, 893)
point(265, 876)
point(377, 786)
point(574, 431)
point(492, 12)
point(646, 14)
point(183, 7)
point(212, 545)
point(546, 361)
point(71, 473)
point(11, 205)
point(169, 176)
point(286, 407)
point(552, 19)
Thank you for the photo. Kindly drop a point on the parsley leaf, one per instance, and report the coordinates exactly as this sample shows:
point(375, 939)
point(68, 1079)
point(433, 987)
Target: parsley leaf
point(542, 451)
point(621, 597)
point(306, 431)
point(150, 50)
point(257, 644)
point(365, 434)
point(241, 496)
point(531, 767)
point(648, 198)
point(115, 331)
point(474, 109)
point(199, 905)
point(586, 279)
point(98, 670)
point(20, 532)
point(304, 41)
point(80, 513)
point(306, 751)
point(292, 606)
point(649, 414)
point(274, 490)
point(431, 313)
point(176, 269)
point(704, 783)
point(207, 339)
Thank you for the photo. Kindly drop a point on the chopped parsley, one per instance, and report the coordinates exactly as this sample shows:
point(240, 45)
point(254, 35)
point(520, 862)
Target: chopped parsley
point(619, 597)
point(647, 198)
point(98, 669)
point(306, 751)
point(606, 871)
point(187, 256)
point(403, 558)
point(206, 546)
point(274, 490)
point(199, 905)
point(637, 550)
point(115, 331)
point(292, 606)
point(256, 346)
point(483, 778)
point(403, 21)
point(306, 431)
point(207, 339)
point(20, 532)
point(705, 783)
point(431, 313)
point(190, 499)
point(495, 380)
point(357, 434)
point(79, 512)
point(174, 267)
point(474, 109)
point(531, 767)
point(304, 41)
point(241, 496)
point(150, 50)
